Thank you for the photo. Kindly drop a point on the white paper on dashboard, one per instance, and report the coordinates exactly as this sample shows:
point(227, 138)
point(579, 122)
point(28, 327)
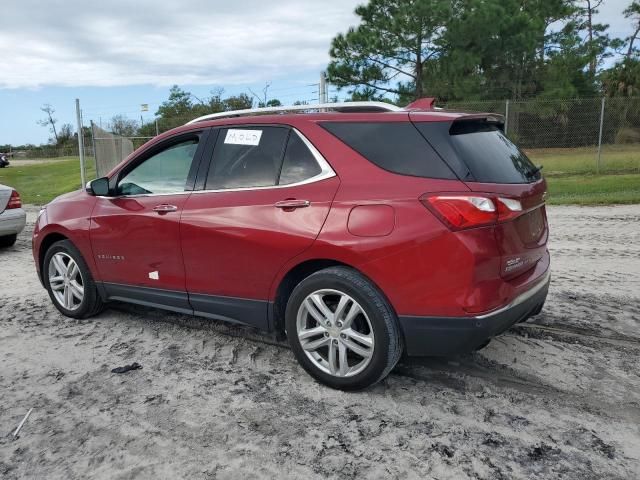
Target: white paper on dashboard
point(243, 137)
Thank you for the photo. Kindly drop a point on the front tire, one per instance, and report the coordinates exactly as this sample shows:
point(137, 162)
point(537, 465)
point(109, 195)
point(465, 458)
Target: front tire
point(342, 329)
point(69, 281)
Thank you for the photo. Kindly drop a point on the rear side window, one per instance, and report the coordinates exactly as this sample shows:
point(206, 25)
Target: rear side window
point(396, 147)
point(299, 163)
point(247, 157)
point(488, 154)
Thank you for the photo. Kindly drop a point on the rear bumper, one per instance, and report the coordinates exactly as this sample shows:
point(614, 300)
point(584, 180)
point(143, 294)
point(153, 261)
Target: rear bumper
point(453, 335)
point(12, 221)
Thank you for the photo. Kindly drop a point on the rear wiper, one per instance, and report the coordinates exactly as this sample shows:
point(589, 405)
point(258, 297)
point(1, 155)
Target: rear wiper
point(536, 169)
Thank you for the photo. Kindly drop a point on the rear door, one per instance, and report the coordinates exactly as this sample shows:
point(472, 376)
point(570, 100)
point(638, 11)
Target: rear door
point(265, 197)
point(488, 162)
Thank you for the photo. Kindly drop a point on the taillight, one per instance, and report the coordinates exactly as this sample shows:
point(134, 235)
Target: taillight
point(14, 201)
point(508, 208)
point(460, 212)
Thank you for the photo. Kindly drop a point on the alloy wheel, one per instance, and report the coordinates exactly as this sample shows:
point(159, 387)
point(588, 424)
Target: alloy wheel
point(335, 333)
point(66, 281)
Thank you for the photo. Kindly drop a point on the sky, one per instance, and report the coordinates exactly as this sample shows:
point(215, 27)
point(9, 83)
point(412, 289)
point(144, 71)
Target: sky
point(115, 55)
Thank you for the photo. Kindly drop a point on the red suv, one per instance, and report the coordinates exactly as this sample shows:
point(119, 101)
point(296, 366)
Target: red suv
point(359, 230)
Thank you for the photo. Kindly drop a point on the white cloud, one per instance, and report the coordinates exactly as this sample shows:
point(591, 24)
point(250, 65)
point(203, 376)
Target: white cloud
point(78, 43)
point(225, 42)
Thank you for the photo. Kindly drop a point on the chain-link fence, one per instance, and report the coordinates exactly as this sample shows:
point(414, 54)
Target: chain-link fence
point(109, 149)
point(48, 152)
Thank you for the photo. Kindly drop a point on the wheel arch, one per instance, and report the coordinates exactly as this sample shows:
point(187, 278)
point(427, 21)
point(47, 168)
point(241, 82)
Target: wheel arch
point(45, 244)
point(294, 276)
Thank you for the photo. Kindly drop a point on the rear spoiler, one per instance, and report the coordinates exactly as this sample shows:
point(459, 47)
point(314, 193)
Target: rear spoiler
point(490, 118)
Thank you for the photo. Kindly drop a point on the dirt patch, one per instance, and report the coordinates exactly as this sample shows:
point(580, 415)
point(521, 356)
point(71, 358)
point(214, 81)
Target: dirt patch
point(556, 397)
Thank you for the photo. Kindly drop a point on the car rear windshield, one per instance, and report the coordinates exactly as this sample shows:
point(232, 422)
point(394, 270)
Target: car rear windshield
point(483, 148)
point(394, 146)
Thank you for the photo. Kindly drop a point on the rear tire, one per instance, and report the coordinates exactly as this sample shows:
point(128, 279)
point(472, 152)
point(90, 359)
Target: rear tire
point(342, 329)
point(69, 282)
point(8, 240)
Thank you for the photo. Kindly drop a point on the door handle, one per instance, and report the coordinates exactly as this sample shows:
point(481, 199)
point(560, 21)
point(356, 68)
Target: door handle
point(164, 208)
point(292, 204)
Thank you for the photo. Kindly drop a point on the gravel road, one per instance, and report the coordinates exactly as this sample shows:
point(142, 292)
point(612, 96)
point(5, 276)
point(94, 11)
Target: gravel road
point(556, 397)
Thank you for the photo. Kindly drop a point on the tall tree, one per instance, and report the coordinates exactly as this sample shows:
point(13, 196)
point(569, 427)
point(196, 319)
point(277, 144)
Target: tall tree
point(589, 9)
point(633, 12)
point(123, 126)
point(597, 44)
point(623, 79)
point(498, 48)
point(238, 102)
point(466, 49)
point(66, 134)
point(49, 121)
point(388, 51)
point(263, 100)
point(178, 104)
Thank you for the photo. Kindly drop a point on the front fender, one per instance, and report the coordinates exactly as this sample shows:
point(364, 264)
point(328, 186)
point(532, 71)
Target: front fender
point(67, 217)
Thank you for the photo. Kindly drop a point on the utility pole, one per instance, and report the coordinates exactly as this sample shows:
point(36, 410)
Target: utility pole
point(80, 143)
point(322, 90)
point(600, 136)
point(93, 144)
point(506, 117)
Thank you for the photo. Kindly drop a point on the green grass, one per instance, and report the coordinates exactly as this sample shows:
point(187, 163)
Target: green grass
point(572, 179)
point(571, 161)
point(39, 184)
point(594, 189)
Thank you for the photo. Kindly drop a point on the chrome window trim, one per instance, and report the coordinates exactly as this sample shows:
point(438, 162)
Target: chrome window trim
point(325, 172)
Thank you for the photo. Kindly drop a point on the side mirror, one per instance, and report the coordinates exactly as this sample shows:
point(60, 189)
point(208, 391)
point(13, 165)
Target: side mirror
point(98, 187)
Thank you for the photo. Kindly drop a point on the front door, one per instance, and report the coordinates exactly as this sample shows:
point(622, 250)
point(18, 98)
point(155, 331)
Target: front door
point(135, 234)
point(267, 194)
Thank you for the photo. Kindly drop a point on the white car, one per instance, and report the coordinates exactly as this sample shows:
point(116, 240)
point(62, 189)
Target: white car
point(12, 217)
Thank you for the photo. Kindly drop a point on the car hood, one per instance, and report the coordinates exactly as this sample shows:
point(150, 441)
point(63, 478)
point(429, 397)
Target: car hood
point(65, 197)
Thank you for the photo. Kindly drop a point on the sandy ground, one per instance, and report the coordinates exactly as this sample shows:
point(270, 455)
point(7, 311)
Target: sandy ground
point(557, 397)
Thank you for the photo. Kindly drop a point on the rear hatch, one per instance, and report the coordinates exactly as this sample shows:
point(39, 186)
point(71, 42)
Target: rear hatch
point(476, 148)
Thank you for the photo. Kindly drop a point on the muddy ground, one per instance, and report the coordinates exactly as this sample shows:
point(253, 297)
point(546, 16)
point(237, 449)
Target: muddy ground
point(557, 397)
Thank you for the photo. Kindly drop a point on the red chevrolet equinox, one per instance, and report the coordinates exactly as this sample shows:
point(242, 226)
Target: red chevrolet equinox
point(361, 231)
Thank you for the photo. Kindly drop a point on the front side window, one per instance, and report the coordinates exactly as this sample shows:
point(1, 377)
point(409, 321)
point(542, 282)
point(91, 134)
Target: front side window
point(247, 157)
point(163, 173)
